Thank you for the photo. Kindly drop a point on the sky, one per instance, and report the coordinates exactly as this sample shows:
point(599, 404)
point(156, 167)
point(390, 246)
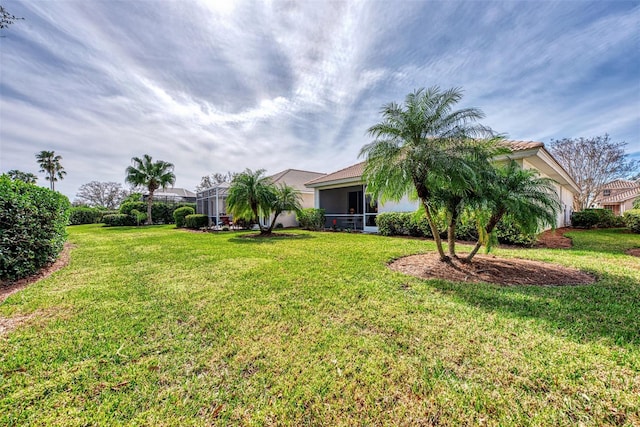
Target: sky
point(217, 86)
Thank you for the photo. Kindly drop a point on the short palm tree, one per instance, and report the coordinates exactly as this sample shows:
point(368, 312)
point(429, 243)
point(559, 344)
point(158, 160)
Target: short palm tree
point(286, 199)
point(18, 175)
point(419, 147)
point(152, 175)
point(251, 196)
point(528, 199)
point(50, 164)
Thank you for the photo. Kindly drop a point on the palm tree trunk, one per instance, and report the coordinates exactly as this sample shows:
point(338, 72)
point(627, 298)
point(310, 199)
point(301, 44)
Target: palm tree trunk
point(434, 231)
point(272, 223)
point(493, 221)
point(149, 205)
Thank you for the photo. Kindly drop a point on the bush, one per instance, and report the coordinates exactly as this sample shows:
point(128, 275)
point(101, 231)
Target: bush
point(311, 219)
point(196, 221)
point(508, 233)
point(84, 215)
point(602, 218)
point(161, 213)
point(32, 227)
point(403, 224)
point(139, 217)
point(636, 203)
point(632, 220)
point(180, 213)
point(118, 220)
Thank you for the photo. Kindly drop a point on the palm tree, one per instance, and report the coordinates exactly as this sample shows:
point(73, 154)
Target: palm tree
point(50, 164)
point(18, 175)
point(529, 200)
point(251, 196)
point(286, 199)
point(150, 174)
point(419, 147)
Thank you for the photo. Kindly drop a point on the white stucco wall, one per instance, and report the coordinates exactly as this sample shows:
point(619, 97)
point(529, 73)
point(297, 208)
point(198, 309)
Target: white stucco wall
point(404, 205)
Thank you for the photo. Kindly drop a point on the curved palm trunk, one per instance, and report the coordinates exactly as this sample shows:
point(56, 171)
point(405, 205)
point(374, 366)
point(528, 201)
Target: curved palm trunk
point(454, 214)
point(493, 221)
point(273, 222)
point(434, 231)
point(149, 205)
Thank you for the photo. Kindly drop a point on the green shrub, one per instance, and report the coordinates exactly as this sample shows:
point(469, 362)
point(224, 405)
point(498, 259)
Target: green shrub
point(311, 219)
point(84, 215)
point(508, 233)
point(601, 218)
point(180, 213)
point(632, 220)
point(161, 213)
point(118, 220)
point(139, 217)
point(196, 221)
point(32, 227)
point(636, 203)
point(403, 224)
point(127, 207)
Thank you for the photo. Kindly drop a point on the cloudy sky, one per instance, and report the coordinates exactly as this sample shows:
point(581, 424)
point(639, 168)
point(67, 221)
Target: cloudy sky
point(213, 86)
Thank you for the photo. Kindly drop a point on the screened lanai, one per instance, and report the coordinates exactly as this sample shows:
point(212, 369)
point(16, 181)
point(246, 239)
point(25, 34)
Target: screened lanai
point(212, 202)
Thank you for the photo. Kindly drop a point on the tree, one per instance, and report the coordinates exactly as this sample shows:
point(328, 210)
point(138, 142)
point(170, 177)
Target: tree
point(286, 199)
point(420, 147)
point(151, 175)
point(214, 179)
point(592, 162)
point(50, 164)
point(529, 200)
point(108, 195)
point(27, 177)
point(6, 18)
point(251, 196)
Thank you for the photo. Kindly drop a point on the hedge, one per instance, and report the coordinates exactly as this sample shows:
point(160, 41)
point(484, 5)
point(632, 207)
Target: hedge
point(118, 220)
point(161, 213)
point(632, 220)
point(311, 219)
point(601, 218)
point(196, 221)
point(84, 215)
point(180, 213)
point(32, 227)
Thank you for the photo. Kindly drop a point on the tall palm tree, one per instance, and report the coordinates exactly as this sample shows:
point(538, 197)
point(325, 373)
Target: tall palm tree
point(286, 199)
point(419, 147)
point(152, 175)
point(251, 196)
point(50, 164)
point(529, 200)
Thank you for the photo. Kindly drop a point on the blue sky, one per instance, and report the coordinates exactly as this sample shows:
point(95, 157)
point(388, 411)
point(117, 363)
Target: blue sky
point(217, 86)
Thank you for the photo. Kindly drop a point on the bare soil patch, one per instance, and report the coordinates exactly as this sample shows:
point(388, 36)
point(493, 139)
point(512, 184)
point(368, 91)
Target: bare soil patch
point(634, 252)
point(491, 269)
point(268, 235)
point(7, 289)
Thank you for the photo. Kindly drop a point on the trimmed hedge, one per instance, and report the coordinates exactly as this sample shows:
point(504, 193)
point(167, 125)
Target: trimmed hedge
point(84, 215)
point(196, 221)
point(118, 220)
point(632, 220)
point(311, 219)
point(161, 213)
point(601, 218)
point(32, 227)
point(180, 213)
point(415, 224)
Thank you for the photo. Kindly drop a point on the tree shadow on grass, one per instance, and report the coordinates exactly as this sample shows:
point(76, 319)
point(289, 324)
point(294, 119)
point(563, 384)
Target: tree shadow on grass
point(608, 309)
point(257, 239)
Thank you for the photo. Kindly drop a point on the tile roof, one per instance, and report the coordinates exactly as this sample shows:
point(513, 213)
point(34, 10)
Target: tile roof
point(632, 193)
point(295, 178)
point(621, 184)
point(353, 171)
point(523, 145)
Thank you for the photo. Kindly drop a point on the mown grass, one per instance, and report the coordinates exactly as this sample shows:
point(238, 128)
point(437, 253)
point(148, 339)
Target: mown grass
point(157, 326)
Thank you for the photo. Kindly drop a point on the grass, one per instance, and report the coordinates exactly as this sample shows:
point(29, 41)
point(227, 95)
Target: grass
point(157, 326)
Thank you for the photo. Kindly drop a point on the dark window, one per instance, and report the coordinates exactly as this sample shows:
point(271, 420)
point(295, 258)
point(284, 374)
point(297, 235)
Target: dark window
point(606, 192)
point(355, 202)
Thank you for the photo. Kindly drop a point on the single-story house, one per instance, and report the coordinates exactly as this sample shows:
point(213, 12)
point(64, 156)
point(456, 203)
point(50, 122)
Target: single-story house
point(172, 195)
point(342, 194)
point(618, 195)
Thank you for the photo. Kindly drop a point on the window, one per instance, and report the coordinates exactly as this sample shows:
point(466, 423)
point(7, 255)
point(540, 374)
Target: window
point(606, 192)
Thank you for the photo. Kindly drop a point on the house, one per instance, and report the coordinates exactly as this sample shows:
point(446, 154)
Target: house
point(342, 194)
point(618, 195)
point(172, 195)
point(296, 178)
point(213, 201)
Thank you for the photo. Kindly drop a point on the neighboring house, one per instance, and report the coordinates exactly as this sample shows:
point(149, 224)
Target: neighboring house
point(172, 195)
point(295, 178)
point(618, 195)
point(212, 202)
point(342, 194)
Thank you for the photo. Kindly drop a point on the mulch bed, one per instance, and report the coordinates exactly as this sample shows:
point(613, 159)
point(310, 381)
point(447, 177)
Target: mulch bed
point(555, 239)
point(491, 269)
point(634, 252)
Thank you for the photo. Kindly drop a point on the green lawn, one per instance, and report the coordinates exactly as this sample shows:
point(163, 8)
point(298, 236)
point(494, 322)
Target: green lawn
point(158, 326)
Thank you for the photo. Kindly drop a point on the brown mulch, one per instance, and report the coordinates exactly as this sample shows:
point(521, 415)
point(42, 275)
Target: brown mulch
point(7, 289)
point(491, 269)
point(554, 239)
point(261, 236)
point(634, 252)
